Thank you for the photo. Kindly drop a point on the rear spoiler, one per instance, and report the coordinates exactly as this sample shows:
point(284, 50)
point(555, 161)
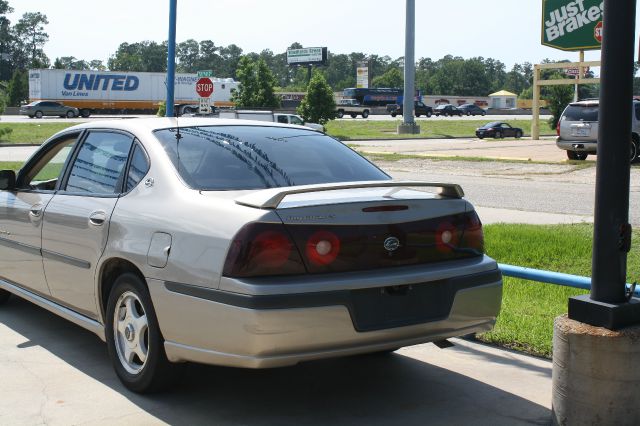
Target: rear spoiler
point(272, 197)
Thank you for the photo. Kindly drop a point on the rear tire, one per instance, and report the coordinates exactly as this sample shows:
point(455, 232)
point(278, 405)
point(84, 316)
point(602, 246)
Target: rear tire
point(468, 114)
point(85, 113)
point(4, 296)
point(577, 156)
point(633, 156)
point(429, 114)
point(38, 114)
point(134, 341)
point(393, 114)
point(498, 135)
point(340, 114)
point(71, 114)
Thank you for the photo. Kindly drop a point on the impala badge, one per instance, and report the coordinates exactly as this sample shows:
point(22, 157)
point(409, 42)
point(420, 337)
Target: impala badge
point(391, 244)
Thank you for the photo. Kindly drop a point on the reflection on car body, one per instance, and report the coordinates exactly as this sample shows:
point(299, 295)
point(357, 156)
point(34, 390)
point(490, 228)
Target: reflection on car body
point(237, 243)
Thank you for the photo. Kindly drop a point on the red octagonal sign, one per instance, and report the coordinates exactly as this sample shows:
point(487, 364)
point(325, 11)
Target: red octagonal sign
point(597, 32)
point(204, 87)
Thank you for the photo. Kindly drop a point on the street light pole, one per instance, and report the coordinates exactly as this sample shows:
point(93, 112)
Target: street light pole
point(171, 58)
point(409, 62)
point(608, 305)
point(408, 123)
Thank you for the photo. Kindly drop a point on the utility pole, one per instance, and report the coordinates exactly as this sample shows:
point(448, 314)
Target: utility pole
point(409, 125)
point(171, 58)
point(608, 305)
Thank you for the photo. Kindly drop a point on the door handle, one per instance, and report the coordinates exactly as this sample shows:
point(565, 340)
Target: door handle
point(98, 218)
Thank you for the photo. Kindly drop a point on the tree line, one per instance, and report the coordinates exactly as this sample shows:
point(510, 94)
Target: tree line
point(22, 48)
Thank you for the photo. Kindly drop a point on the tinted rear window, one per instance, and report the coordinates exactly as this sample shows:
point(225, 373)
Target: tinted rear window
point(581, 113)
point(251, 157)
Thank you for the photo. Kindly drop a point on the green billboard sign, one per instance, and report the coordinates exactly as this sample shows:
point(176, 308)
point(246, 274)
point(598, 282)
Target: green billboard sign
point(572, 25)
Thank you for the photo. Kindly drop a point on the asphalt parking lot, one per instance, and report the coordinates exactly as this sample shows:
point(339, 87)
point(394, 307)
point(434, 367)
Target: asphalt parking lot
point(56, 373)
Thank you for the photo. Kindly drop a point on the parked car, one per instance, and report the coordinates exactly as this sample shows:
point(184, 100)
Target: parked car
point(498, 129)
point(419, 109)
point(578, 130)
point(472, 109)
point(447, 110)
point(39, 109)
point(237, 243)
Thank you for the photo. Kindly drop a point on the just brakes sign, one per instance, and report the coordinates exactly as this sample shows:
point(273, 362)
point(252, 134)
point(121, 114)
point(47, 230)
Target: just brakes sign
point(572, 25)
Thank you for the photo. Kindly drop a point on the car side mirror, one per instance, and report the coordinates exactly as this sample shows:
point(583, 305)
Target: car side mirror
point(7, 180)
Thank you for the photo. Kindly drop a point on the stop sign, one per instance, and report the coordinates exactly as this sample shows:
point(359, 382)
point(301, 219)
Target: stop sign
point(204, 87)
point(597, 32)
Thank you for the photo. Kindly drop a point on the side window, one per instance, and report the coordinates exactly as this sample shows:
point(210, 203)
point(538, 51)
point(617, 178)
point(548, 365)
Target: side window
point(296, 120)
point(46, 171)
point(137, 169)
point(99, 166)
point(636, 105)
point(282, 119)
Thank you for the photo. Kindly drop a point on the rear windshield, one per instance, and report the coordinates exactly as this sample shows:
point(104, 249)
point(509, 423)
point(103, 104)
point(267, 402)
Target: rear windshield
point(217, 158)
point(581, 113)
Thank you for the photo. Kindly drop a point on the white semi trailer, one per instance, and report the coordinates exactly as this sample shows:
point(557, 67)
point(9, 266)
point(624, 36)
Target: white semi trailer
point(122, 92)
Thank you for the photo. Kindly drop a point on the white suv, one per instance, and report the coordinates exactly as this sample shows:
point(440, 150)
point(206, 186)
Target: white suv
point(578, 130)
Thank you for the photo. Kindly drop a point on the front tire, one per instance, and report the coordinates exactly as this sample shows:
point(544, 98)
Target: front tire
point(498, 135)
point(38, 114)
point(134, 341)
point(393, 114)
point(429, 114)
point(340, 114)
point(365, 114)
point(518, 134)
point(4, 296)
point(71, 114)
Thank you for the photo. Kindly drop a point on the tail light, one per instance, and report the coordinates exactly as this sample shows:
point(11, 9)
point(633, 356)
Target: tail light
point(558, 128)
point(322, 248)
point(473, 237)
point(262, 249)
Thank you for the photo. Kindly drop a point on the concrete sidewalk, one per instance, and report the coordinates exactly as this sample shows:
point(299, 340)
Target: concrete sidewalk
point(520, 149)
point(56, 373)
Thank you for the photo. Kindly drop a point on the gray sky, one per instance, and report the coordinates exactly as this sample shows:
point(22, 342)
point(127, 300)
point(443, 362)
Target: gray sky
point(508, 30)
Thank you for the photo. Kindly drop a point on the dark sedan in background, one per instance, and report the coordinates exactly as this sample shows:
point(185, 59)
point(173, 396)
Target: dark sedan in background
point(498, 129)
point(447, 110)
point(471, 109)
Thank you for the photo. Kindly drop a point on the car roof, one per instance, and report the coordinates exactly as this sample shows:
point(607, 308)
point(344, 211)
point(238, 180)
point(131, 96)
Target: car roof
point(592, 102)
point(159, 123)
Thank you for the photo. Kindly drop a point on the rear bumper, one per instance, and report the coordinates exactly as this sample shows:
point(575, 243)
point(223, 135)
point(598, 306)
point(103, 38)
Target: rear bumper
point(578, 146)
point(273, 331)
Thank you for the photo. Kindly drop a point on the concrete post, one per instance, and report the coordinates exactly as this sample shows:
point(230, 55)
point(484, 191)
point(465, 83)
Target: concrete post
point(595, 378)
point(409, 125)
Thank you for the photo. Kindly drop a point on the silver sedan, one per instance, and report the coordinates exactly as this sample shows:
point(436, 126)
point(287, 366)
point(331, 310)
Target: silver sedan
point(237, 243)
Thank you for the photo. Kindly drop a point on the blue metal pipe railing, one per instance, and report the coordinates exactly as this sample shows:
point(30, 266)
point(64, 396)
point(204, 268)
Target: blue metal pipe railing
point(558, 278)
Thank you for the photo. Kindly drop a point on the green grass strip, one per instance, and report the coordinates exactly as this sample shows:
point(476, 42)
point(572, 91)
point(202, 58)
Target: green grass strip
point(31, 133)
point(529, 308)
point(429, 128)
